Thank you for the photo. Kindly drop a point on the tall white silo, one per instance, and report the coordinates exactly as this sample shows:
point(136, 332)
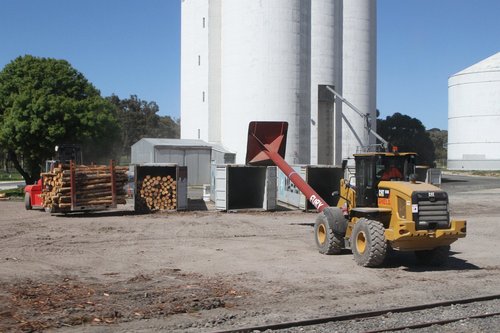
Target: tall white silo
point(474, 117)
point(359, 72)
point(214, 70)
point(326, 70)
point(266, 71)
point(194, 69)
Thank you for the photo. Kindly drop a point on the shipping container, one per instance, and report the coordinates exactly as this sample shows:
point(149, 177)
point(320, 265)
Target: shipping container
point(324, 179)
point(169, 186)
point(244, 187)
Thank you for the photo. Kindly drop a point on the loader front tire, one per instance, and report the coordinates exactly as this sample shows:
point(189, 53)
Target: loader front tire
point(328, 241)
point(368, 243)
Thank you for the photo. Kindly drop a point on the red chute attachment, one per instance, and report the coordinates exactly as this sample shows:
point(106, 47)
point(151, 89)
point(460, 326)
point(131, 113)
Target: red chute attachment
point(265, 136)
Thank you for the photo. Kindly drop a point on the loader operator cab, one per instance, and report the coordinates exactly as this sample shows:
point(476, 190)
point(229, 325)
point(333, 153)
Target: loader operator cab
point(371, 168)
point(64, 153)
point(69, 152)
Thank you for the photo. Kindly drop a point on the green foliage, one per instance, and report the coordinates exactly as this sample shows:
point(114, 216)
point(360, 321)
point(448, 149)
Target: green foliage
point(10, 175)
point(440, 140)
point(139, 119)
point(408, 134)
point(45, 102)
point(14, 193)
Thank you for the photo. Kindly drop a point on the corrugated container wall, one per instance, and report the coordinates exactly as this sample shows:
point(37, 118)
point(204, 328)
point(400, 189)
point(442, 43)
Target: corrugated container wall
point(359, 72)
point(474, 117)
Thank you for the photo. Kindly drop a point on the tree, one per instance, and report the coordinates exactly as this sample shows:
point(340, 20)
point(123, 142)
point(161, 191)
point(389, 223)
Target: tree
point(170, 127)
point(45, 102)
point(408, 134)
point(440, 140)
point(139, 119)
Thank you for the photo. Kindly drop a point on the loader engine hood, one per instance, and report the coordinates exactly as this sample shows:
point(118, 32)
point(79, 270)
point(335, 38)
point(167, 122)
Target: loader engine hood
point(430, 209)
point(408, 188)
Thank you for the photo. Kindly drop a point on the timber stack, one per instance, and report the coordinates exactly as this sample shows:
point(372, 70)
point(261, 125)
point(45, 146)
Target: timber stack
point(79, 187)
point(159, 192)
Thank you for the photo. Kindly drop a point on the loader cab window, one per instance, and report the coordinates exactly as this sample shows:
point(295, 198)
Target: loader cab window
point(366, 182)
point(395, 168)
point(390, 168)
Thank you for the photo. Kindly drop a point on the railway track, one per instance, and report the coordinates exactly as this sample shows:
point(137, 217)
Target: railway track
point(380, 316)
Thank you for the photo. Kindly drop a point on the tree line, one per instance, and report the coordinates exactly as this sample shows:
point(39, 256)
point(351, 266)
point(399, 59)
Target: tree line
point(46, 102)
point(409, 134)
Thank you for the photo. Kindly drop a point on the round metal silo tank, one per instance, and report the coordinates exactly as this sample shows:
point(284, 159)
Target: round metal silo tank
point(474, 117)
point(326, 70)
point(265, 72)
point(359, 72)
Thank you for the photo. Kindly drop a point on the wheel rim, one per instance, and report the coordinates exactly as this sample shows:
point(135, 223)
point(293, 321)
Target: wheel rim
point(361, 242)
point(321, 234)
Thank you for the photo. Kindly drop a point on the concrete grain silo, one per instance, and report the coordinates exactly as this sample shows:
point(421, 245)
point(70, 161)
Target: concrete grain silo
point(474, 117)
point(266, 71)
point(269, 60)
point(326, 70)
point(359, 72)
point(194, 70)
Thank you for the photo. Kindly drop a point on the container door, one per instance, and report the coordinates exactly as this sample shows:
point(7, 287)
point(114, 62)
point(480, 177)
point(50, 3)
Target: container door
point(213, 173)
point(302, 198)
point(221, 188)
point(182, 182)
point(270, 193)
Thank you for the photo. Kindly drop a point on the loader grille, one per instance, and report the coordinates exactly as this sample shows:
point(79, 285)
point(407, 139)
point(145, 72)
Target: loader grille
point(433, 212)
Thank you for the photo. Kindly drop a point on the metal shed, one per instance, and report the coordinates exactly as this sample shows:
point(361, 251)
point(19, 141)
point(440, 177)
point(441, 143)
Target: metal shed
point(197, 155)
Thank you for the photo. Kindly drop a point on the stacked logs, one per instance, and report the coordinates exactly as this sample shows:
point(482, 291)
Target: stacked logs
point(93, 187)
point(159, 192)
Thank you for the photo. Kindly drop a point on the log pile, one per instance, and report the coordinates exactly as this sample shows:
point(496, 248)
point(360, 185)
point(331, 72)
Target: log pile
point(93, 187)
point(159, 192)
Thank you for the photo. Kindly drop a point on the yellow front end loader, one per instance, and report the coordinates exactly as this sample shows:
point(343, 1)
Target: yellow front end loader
point(383, 207)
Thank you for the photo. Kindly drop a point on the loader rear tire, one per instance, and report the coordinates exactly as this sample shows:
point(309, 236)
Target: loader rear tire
point(435, 257)
point(27, 201)
point(327, 240)
point(368, 243)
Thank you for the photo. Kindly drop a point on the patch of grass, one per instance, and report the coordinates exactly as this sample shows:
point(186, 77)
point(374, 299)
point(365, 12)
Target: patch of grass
point(14, 193)
point(485, 173)
point(13, 175)
point(492, 173)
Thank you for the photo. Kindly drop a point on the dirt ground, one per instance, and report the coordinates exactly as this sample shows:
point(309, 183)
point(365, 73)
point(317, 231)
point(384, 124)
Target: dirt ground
point(207, 271)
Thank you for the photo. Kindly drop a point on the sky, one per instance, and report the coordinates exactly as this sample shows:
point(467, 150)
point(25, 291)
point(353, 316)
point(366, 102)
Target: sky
point(132, 47)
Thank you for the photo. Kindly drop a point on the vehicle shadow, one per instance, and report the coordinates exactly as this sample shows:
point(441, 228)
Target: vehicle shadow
point(408, 262)
point(449, 180)
point(107, 213)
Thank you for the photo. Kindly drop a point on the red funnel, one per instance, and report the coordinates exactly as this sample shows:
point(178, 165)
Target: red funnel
point(265, 136)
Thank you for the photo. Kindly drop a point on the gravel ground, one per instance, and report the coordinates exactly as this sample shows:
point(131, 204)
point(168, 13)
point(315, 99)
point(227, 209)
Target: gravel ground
point(208, 271)
point(394, 320)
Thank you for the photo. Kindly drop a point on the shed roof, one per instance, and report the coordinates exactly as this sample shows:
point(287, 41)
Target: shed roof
point(159, 142)
point(489, 64)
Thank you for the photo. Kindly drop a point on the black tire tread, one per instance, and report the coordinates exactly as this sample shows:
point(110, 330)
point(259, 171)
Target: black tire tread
point(376, 250)
point(334, 241)
point(27, 201)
